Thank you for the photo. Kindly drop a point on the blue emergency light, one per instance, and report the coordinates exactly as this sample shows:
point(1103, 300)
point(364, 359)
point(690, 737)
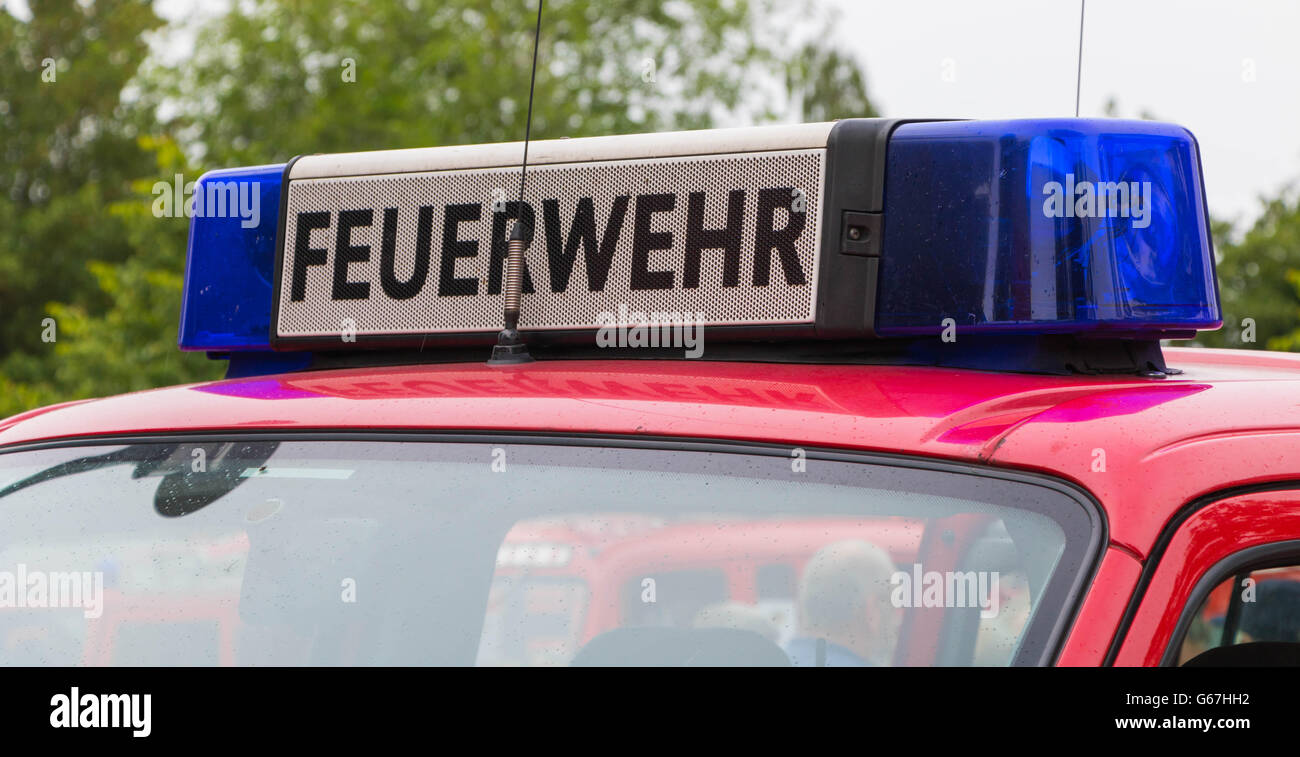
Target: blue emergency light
point(864, 230)
point(1071, 225)
point(226, 301)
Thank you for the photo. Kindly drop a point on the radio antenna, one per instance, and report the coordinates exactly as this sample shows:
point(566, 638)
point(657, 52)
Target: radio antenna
point(1078, 79)
point(510, 348)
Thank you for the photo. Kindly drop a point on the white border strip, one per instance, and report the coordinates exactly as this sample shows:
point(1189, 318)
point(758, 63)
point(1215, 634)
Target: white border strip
point(583, 150)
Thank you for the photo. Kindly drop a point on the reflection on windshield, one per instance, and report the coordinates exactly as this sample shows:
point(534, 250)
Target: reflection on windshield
point(188, 480)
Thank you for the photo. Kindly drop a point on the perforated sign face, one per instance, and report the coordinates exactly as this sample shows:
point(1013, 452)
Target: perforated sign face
point(728, 239)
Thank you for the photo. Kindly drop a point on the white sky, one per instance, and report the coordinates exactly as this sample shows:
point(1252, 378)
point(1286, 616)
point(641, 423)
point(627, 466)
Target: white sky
point(1227, 70)
point(1183, 61)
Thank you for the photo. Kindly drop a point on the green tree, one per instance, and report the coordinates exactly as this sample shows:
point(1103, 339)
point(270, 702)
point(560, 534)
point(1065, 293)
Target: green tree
point(826, 84)
point(275, 78)
point(123, 338)
point(1259, 279)
point(270, 79)
point(68, 149)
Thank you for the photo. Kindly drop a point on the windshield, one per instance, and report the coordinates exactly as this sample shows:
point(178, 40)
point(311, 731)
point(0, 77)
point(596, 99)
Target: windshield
point(294, 552)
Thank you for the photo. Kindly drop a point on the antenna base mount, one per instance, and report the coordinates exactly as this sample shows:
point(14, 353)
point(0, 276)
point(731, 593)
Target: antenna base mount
point(509, 349)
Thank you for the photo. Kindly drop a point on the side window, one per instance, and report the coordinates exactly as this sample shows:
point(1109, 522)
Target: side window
point(1228, 563)
point(1250, 607)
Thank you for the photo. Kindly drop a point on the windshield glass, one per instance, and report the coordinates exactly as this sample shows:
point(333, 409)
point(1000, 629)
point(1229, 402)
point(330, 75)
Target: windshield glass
point(263, 552)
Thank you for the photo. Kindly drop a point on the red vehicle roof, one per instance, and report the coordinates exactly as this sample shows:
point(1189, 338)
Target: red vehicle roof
point(1232, 418)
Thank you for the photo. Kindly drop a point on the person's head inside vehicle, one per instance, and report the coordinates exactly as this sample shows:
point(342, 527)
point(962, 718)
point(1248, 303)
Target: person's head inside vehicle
point(845, 614)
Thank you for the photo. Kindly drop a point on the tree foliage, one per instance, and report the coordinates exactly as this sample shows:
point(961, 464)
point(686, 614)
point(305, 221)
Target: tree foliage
point(69, 149)
point(269, 79)
point(280, 77)
point(1259, 279)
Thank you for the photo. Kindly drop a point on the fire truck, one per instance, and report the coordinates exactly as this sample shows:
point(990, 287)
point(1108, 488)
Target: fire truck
point(863, 393)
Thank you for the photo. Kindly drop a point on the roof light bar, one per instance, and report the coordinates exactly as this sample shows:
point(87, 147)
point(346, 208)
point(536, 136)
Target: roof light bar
point(859, 229)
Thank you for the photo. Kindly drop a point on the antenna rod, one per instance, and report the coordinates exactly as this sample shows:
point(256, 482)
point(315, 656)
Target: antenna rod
point(1078, 81)
point(528, 123)
point(510, 347)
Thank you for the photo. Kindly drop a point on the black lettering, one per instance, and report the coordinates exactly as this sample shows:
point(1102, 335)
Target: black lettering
point(394, 287)
point(767, 238)
point(303, 255)
point(583, 231)
point(726, 239)
point(454, 248)
point(346, 253)
point(644, 241)
point(501, 249)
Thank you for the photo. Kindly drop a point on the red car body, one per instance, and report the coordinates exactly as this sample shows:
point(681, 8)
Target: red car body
point(1193, 469)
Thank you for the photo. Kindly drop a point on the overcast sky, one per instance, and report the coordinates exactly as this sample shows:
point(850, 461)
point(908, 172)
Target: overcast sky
point(1228, 70)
